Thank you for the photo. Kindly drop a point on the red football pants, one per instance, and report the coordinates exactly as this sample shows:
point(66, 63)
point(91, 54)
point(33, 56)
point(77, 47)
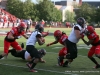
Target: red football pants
point(63, 51)
point(94, 50)
point(14, 44)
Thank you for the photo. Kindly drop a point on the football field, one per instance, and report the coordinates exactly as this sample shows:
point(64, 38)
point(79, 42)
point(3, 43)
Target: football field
point(80, 66)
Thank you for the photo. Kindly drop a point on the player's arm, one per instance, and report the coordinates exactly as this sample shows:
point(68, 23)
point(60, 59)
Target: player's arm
point(77, 32)
point(44, 34)
point(55, 42)
point(40, 39)
point(25, 36)
point(87, 42)
point(42, 61)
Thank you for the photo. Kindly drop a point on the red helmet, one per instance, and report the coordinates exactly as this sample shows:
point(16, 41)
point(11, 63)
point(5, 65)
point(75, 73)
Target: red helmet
point(57, 33)
point(90, 29)
point(22, 25)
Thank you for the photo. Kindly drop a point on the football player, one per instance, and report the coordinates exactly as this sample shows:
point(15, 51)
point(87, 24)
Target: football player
point(25, 55)
point(36, 36)
point(73, 39)
point(93, 38)
point(12, 35)
point(61, 38)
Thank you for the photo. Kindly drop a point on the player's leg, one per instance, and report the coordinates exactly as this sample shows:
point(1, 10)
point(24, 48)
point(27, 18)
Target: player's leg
point(71, 52)
point(97, 51)
point(90, 55)
point(16, 46)
point(35, 57)
point(62, 53)
point(6, 48)
point(97, 54)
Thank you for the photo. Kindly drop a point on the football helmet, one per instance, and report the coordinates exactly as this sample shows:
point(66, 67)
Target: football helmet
point(39, 28)
point(57, 33)
point(22, 26)
point(42, 51)
point(81, 21)
point(90, 29)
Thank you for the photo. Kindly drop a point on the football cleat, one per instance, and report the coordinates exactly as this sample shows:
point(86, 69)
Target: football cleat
point(32, 70)
point(97, 66)
point(65, 64)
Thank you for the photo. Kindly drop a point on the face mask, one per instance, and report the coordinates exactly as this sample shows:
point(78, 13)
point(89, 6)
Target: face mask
point(21, 29)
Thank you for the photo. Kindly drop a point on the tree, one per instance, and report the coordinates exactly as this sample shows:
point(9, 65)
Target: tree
point(47, 11)
point(28, 9)
point(97, 16)
point(21, 9)
point(13, 6)
point(69, 16)
point(87, 11)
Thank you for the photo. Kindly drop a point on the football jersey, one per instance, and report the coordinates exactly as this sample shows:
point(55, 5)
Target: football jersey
point(15, 32)
point(32, 39)
point(93, 37)
point(72, 37)
point(62, 39)
point(26, 55)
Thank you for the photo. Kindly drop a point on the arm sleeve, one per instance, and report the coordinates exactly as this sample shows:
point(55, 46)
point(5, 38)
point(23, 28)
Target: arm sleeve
point(76, 28)
point(38, 35)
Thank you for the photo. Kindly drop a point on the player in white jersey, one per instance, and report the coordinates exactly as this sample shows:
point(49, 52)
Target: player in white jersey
point(73, 39)
point(36, 36)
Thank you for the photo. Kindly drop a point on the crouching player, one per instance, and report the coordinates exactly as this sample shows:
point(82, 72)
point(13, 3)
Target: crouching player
point(93, 38)
point(61, 38)
point(25, 55)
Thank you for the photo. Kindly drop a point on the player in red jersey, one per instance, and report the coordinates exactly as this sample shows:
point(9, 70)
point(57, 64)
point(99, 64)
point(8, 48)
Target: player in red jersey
point(95, 42)
point(12, 35)
point(61, 38)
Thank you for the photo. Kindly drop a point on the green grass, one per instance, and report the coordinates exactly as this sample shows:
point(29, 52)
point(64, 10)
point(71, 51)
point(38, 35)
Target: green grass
point(80, 66)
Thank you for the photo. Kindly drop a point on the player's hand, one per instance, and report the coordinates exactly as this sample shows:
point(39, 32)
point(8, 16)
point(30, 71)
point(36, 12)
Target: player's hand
point(43, 61)
point(82, 36)
point(48, 45)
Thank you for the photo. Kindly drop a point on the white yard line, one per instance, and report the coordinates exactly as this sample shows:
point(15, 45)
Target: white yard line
point(41, 69)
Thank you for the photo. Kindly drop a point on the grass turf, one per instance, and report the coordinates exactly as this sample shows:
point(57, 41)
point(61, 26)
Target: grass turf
point(80, 66)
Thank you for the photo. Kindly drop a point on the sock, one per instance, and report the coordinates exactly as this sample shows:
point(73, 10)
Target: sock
point(62, 62)
point(1, 56)
point(65, 64)
point(93, 60)
point(33, 65)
